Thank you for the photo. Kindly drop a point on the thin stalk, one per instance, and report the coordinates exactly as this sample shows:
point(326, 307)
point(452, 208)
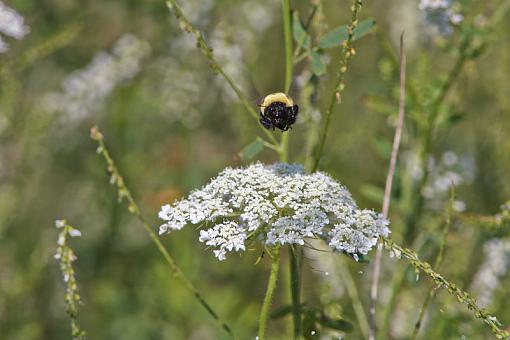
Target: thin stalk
point(396, 285)
point(441, 282)
point(125, 193)
point(352, 291)
point(347, 53)
point(466, 52)
point(287, 33)
point(294, 258)
point(289, 64)
point(439, 259)
point(388, 186)
point(271, 285)
point(416, 210)
point(295, 288)
point(186, 26)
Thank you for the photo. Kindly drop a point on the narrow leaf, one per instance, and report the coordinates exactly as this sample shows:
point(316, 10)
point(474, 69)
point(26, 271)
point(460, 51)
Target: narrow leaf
point(251, 150)
point(363, 28)
point(338, 324)
point(372, 192)
point(334, 38)
point(299, 33)
point(317, 66)
point(280, 312)
point(337, 36)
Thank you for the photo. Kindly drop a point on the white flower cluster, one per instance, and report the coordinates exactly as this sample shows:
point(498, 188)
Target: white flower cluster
point(441, 13)
point(495, 266)
point(445, 171)
point(85, 90)
point(12, 25)
point(277, 204)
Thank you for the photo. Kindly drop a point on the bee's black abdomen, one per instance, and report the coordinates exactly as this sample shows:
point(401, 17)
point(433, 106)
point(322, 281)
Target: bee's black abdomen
point(279, 115)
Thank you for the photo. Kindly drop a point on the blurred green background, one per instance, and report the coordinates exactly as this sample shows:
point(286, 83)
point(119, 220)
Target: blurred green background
point(171, 124)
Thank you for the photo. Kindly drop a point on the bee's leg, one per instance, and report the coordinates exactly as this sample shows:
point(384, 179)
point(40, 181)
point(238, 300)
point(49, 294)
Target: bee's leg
point(295, 110)
point(266, 122)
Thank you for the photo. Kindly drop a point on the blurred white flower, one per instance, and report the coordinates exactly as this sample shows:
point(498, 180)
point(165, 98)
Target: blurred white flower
point(84, 91)
point(234, 44)
point(12, 24)
point(448, 170)
point(441, 14)
point(277, 204)
point(494, 267)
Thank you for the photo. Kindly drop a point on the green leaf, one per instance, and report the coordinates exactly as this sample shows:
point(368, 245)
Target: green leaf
point(380, 104)
point(318, 67)
point(338, 324)
point(280, 312)
point(372, 192)
point(251, 150)
point(337, 36)
point(309, 325)
point(383, 147)
point(363, 28)
point(299, 33)
point(334, 38)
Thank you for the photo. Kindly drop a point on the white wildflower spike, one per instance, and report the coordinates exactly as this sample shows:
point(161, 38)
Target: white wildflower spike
point(492, 270)
point(279, 202)
point(84, 91)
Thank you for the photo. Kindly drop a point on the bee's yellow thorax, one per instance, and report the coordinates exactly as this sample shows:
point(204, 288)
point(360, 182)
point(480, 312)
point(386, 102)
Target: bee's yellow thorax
point(277, 97)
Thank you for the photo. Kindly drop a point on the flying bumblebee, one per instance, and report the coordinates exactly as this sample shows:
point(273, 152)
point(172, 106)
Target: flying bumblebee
point(278, 111)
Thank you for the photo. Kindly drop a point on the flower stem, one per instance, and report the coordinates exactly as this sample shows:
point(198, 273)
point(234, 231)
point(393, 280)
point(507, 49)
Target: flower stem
point(439, 259)
point(295, 278)
point(295, 288)
point(133, 208)
point(289, 63)
point(271, 285)
point(202, 45)
point(441, 282)
point(348, 52)
point(387, 189)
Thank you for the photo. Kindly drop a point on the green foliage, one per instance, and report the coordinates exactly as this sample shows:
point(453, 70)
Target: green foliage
point(169, 135)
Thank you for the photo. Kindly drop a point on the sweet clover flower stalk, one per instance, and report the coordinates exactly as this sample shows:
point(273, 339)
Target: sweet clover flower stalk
point(65, 255)
point(124, 193)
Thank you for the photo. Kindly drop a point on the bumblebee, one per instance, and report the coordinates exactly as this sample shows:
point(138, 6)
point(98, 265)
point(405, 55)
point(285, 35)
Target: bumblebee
point(278, 111)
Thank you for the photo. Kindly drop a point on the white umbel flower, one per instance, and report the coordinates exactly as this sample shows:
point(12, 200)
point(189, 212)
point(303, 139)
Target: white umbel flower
point(278, 204)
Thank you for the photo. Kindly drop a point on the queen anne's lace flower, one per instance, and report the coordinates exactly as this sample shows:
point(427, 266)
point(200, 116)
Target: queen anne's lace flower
point(278, 204)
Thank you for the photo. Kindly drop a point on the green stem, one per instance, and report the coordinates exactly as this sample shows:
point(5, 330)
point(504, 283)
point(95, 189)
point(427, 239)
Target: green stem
point(295, 288)
point(202, 45)
point(348, 52)
point(416, 209)
point(441, 282)
point(289, 64)
point(439, 259)
point(352, 291)
point(271, 285)
point(133, 208)
point(288, 44)
point(295, 283)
